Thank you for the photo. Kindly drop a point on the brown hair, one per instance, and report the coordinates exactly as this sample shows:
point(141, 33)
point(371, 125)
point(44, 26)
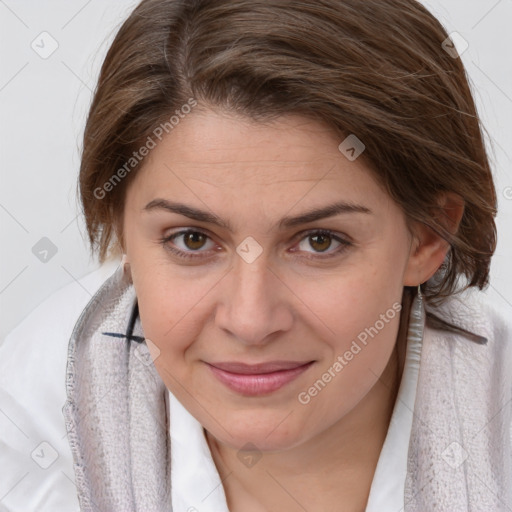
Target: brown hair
point(376, 69)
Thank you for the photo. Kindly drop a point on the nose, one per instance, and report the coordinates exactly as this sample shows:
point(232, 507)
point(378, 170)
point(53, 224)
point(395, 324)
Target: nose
point(255, 304)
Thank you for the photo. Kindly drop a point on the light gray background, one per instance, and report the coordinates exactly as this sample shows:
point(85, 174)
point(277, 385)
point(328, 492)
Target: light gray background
point(43, 107)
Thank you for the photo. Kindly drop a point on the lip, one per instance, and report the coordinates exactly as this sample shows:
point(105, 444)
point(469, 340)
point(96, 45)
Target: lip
point(258, 379)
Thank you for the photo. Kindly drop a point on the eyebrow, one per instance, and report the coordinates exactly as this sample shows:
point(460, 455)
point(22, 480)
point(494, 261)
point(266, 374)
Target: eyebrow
point(286, 222)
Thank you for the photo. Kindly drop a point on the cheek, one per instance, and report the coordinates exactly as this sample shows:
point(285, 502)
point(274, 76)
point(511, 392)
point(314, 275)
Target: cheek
point(351, 300)
point(173, 310)
point(363, 328)
point(362, 334)
point(359, 309)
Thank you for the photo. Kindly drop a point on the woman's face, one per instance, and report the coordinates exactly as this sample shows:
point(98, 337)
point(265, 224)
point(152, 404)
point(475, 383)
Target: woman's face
point(272, 322)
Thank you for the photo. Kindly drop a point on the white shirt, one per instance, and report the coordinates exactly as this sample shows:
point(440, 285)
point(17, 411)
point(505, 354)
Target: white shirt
point(196, 484)
point(36, 465)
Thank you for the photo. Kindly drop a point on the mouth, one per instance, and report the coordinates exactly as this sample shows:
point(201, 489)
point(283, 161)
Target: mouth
point(258, 379)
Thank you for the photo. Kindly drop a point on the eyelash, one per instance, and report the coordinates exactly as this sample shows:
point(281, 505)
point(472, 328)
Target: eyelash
point(198, 254)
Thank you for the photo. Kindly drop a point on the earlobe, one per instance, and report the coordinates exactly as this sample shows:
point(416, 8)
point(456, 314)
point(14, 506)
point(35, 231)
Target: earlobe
point(125, 265)
point(428, 248)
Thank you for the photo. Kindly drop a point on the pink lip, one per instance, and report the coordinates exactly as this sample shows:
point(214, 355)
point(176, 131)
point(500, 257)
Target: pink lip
point(258, 379)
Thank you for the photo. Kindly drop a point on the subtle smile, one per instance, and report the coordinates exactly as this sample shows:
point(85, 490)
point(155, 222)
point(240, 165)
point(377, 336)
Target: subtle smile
point(258, 379)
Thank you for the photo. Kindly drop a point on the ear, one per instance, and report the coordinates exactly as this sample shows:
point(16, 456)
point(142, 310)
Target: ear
point(428, 249)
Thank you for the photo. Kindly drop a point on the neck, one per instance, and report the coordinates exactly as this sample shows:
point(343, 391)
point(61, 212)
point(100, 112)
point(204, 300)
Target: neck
point(334, 470)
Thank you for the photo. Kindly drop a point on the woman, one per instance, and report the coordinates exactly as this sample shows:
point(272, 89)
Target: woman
point(303, 201)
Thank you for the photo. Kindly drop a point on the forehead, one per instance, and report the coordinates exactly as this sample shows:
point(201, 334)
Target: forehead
point(221, 150)
point(255, 176)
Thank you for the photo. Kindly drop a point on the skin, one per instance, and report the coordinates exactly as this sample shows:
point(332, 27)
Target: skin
point(290, 303)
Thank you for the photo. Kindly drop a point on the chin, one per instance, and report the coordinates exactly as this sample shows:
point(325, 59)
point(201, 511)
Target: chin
point(264, 430)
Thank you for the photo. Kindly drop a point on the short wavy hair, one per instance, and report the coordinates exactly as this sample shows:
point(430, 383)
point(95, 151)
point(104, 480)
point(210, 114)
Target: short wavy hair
point(379, 69)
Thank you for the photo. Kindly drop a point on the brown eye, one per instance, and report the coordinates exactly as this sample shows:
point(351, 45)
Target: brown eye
point(320, 242)
point(194, 240)
point(189, 243)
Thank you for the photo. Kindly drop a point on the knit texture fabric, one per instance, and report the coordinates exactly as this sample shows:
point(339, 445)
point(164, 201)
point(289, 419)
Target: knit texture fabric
point(117, 412)
point(460, 454)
